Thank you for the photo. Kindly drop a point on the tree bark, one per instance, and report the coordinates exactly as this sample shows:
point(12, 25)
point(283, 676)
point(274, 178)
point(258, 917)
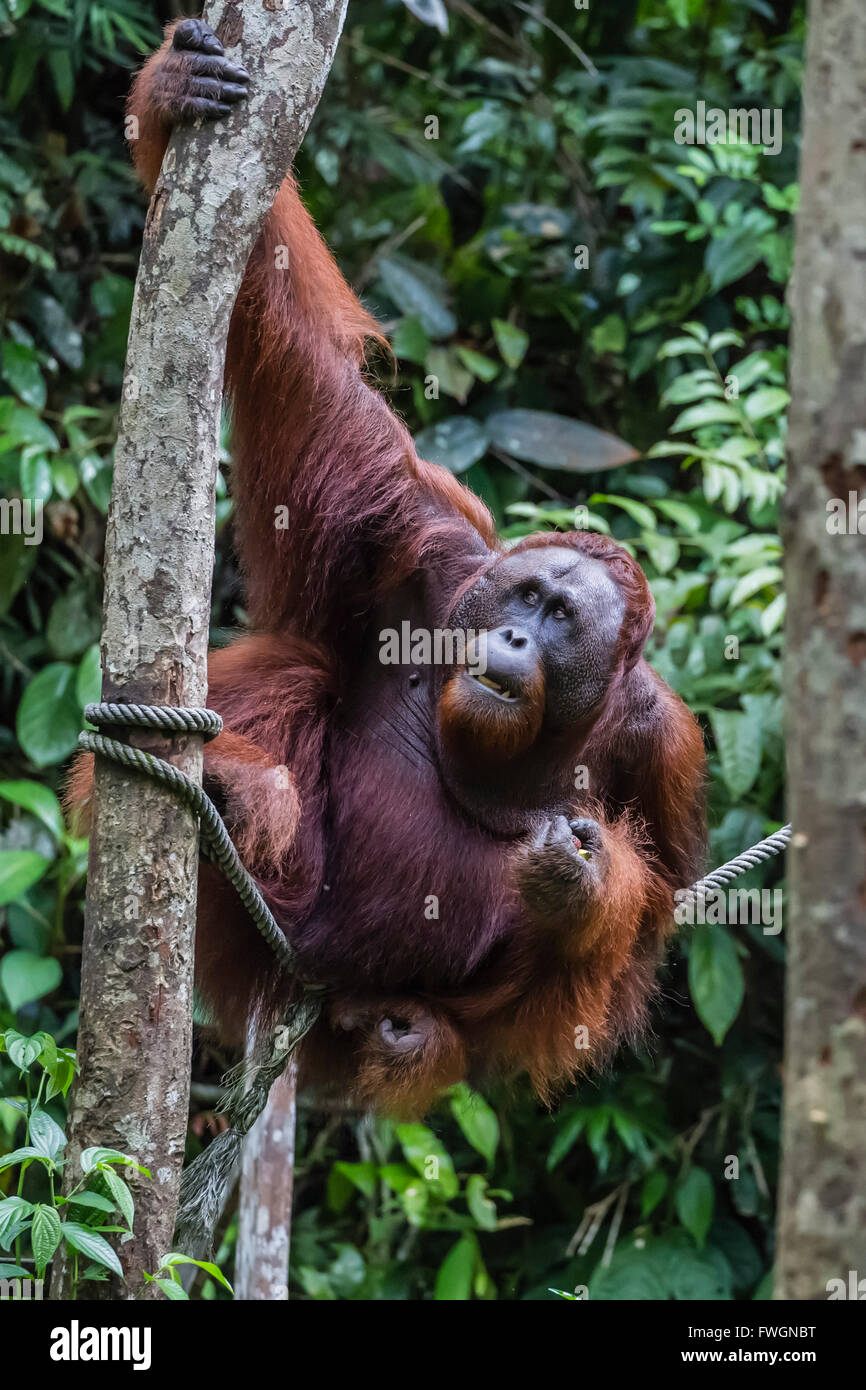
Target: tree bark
point(216, 186)
point(267, 1179)
point(822, 1217)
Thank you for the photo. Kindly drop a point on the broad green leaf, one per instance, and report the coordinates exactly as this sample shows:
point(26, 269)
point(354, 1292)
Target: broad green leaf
point(769, 400)
point(773, 615)
point(695, 1200)
point(88, 679)
point(738, 739)
point(680, 347)
point(93, 1158)
point(661, 1268)
point(556, 441)
point(428, 1156)
point(709, 413)
point(49, 717)
point(453, 379)
point(73, 624)
point(23, 1051)
point(360, 1175)
point(456, 443)
point(35, 475)
point(484, 368)
point(20, 367)
point(26, 1154)
point(174, 1258)
point(511, 341)
point(38, 800)
point(22, 426)
point(409, 341)
point(15, 1212)
point(455, 1274)
point(87, 1242)
point(482, 1209)
point(654, 1188)
point(44, 1236)
point(715, 978)
point(476, 1119)
point(120, 1192)
point(176, 1293)
point(753, 582)
point(19, 870)
point(418, 292)
point(729, 258)
point(91, 1200)
point(638, 511)
point(567, 1134)
point(25, 977)
point(46, 1134)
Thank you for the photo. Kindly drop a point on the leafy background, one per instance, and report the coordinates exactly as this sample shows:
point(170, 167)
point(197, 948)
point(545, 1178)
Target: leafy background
point(553, 132)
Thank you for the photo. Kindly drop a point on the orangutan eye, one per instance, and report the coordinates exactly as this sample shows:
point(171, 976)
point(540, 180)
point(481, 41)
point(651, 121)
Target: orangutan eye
point(558, 613)
point(530, 596)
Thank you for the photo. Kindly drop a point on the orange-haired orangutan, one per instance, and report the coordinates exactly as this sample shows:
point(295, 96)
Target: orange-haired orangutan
point(479, 863)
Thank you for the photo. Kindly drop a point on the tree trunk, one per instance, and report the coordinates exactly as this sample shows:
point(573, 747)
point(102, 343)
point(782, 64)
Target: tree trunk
point(822, 1220)
point(214, 192)
point(267, 1179)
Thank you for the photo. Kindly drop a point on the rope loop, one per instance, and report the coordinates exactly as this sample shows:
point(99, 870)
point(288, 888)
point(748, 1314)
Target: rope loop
point(216, 842)
point(178, 719)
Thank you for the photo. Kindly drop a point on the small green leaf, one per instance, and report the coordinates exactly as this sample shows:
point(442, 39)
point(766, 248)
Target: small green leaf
point(49, 717)
point(92, 1200)
point(23, 1051)
point(482, 1209)
point(715, 978)
point(738, 739)
point(654, 1188)
point(87, 1242)
point(170, 1260)
point(428, 1156)
point(93, 1159)
point(120, 1192)
point(456, 443)
point(20, 367)
point(19, 870)
point(46, 1134)
point(511, 341)
point(476, 1119)
point(38, 800)
point(695, 1200)
point(25, 977)
point(556, 441)
point(44, 1236)
point(27, 1154)
point(455, 1274)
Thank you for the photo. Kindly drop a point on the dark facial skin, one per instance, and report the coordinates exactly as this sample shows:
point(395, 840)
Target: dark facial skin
point(551, 616)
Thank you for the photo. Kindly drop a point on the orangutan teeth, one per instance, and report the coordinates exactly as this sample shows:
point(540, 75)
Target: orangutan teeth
point(500, 691)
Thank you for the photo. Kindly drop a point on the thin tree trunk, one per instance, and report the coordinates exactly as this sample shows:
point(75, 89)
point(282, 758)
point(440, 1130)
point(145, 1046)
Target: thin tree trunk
point(215, 190)
point(267, 1179)
point(822, 1218)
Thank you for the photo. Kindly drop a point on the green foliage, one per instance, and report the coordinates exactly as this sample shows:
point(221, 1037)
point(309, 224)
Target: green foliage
point(590, 328)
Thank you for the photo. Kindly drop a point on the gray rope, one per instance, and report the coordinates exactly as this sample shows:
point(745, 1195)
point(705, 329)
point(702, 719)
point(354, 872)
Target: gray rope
point(764, 849)
point(216, 841)
point(165, 718)
point(205, 1182)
